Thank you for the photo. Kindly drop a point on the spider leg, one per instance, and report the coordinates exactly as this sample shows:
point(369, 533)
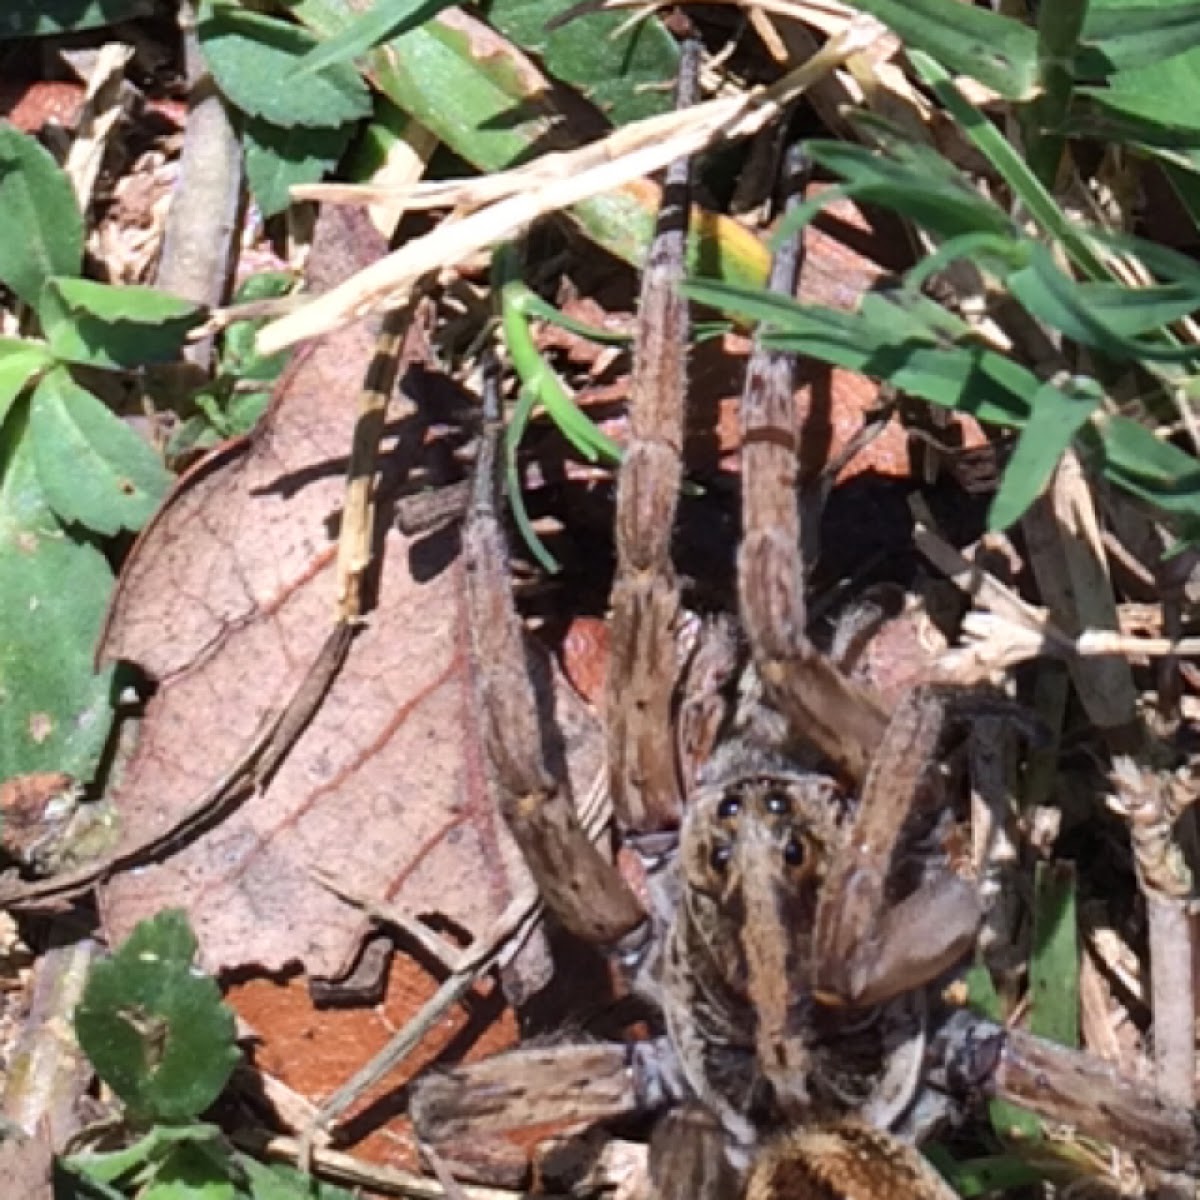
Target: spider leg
point(688, 1159)
point(867, 947)
point(580, 886)
point(643, 773)
point(971, 1056)
point(821, 704)
point(540, 1085)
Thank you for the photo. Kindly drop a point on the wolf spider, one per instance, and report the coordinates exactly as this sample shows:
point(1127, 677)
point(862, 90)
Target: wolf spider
point(801, 903)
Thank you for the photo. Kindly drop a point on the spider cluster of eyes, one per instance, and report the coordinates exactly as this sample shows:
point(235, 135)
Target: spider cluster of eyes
point(776, 803)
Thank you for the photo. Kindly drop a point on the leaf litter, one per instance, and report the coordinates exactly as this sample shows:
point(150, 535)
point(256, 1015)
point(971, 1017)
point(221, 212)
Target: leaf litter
point(225, 603)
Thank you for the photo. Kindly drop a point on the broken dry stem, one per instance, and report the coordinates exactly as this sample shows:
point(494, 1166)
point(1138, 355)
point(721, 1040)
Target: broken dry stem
point(346, 1169)
point(358, 511)
point(1152, 813)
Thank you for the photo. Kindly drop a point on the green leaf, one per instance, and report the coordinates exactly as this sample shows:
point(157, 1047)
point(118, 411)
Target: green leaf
point(996, 1175)
point(998, 51)
point(136, 1163)
point(45, 18)
point(1059, 27)
point(1097, 117)
point(628, 76)
point(156, 1031)
point(252, 58)
point(43, 231)
point(1054, 960)
point(280, 1182)
point(54, 709)
point(193, 1171)
point(1098, 314)
point(912, 180)
point(20, 360)
point(114, 327)
point(1162, 92)
point(1012, 168)
point(387, 19)
point(1124, 36)
point(1133, 458)
point(278, 158)
point(1055, 417)
point(914, 348)
point(239, 354)
point(94, 469)
point(73, 1183)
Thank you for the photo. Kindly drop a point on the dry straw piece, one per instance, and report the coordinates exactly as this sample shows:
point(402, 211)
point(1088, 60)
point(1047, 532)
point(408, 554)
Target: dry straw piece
point(557, 181)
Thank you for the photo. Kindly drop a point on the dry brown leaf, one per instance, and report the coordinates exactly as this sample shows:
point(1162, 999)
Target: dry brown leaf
point(225, 602)
point(26, 1165)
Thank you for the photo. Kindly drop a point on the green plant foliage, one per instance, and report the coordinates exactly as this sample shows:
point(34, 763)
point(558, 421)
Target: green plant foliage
point(94, 469)
point(1054, 957)
point(1106, 316)
point(193, 1171)
point(293, 129)
point(279, 1182)
point(498, 119)
point(46, 18)
point(903, 338)
point(1139, 77)
point(912, 180)
point(99, 325)
point(69, 468)
point(232, 403)
point(252, 58)
point(239, 356)
point(185, 1162)
point(1119, 36)
point(1008, 1120)
point(1056, 415)
point(53, 593)
point(998, 51)
point(626, 72)
point(43, 230)
point(385, 20)
point(155, 1030)
point(1135, 460)
point(278, 158)
point(20, 361)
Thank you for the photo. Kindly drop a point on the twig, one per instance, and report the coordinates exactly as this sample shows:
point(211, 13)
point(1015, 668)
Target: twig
point(358, 509)
point(1015, 631)
point(507, 934)
point(345, 1168)
point(200, 241)
point(1152, 809)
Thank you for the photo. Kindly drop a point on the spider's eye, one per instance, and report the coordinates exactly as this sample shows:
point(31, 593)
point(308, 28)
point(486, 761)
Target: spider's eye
point(729, 807)
point(719, 856)
point(794, 853)
point(779, 804)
